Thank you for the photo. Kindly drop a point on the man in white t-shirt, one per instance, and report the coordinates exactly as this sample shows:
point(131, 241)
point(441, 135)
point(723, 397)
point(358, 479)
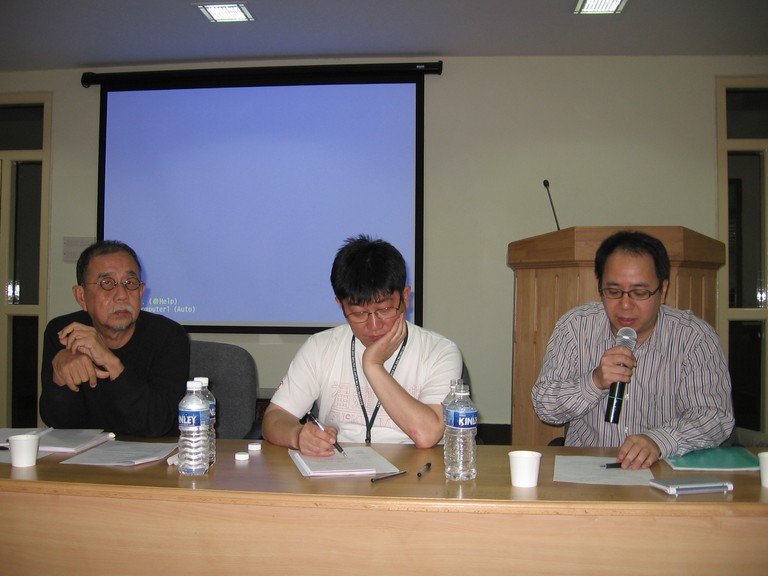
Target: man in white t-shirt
point(377, 378)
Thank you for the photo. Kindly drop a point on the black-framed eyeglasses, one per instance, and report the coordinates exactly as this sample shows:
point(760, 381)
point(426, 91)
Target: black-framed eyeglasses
point(110, 284)
point(634, 294)
point(382, 314)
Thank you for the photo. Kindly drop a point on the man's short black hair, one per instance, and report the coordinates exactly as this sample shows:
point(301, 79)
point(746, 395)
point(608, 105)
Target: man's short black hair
point(365, 269)
point(99, 249)
point(637, 243)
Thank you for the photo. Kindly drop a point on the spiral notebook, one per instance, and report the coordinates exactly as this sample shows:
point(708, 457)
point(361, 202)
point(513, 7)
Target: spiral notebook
point(359, 461)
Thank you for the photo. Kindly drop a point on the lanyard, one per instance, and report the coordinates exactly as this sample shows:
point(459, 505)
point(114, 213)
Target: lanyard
point(369, 422)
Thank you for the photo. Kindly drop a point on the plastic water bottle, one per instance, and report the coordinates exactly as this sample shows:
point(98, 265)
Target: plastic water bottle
point(450, 396)
point(212, 418)
point(460, 450)
point(194, 412)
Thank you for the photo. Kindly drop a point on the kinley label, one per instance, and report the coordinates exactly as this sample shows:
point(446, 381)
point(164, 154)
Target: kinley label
point(461, 419)
point(193, 418)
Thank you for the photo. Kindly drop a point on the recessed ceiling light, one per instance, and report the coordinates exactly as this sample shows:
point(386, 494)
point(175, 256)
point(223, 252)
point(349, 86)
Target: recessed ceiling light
point(599, 6)
point(230, 12)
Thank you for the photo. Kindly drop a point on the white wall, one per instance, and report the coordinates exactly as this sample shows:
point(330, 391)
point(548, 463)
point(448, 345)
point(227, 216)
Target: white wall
point(623, 141)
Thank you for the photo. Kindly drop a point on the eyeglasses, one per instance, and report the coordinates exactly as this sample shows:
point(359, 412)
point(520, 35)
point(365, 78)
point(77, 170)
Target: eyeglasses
point(382, 314)
point(636, 294)
point(110, 284)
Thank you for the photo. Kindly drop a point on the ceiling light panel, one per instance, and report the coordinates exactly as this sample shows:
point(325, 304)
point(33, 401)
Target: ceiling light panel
point(230, 12)
point(599, 6)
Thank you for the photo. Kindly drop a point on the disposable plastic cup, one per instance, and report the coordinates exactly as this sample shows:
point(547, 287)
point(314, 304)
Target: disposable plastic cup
point(23, 449)
point(524, 468)
point(763, 456)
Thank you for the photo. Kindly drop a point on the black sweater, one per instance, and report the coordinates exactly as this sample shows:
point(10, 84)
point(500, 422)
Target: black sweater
point(142, 401)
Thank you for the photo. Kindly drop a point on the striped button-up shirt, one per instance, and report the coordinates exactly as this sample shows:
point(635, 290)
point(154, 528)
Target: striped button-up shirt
point(680, 393)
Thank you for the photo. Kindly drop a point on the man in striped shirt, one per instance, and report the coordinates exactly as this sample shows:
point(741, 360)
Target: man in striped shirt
point(678, 394)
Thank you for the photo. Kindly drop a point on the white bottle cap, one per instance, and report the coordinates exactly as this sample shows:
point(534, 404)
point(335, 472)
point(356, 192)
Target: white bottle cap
point(254, 446)
point(241, 456)
point(193, 385)
point(202, 379)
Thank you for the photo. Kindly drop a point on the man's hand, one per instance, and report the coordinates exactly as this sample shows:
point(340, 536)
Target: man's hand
point(316, 442)
point(72, 369)
point(85, 340)
point(638, 451)
point(616, 365)
point(86, 358)
point(383, 349)
point(283, 428)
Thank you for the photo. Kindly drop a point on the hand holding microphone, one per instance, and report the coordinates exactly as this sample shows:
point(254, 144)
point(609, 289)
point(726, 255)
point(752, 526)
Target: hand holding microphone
point(626, 337)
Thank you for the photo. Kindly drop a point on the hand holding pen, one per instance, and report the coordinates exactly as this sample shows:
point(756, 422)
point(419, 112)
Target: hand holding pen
point(336, 445)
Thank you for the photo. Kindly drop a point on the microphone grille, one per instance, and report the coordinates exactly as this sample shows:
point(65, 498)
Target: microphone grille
point(627, 337)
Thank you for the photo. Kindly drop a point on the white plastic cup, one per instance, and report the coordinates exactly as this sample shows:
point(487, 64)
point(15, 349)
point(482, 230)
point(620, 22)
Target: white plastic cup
point(28, 473)
point(23, 449)
point(763, 456)
point(524, 468)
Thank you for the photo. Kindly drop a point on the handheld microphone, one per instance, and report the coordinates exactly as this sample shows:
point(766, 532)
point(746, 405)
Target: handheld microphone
point(626, 337)
point(546, 185)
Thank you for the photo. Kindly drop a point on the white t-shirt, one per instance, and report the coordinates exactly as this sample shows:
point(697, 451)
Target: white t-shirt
point(322, 371)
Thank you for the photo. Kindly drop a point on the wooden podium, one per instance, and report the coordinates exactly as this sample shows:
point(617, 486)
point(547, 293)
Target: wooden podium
point(555, 272)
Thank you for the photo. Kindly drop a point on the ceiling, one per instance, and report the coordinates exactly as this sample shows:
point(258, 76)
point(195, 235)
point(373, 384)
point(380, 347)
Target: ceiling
point(51, 34)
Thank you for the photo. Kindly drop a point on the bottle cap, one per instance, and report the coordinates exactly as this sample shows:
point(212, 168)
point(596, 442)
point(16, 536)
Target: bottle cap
point(241, 456)
point(254, 446)
point(193, 385)
point(202, 379)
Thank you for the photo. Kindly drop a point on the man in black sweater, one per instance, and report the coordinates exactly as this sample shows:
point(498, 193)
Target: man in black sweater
point(110, 365)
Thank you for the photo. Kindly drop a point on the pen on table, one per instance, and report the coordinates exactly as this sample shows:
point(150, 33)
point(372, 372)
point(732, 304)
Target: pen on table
point(377, 478)
point(317, 423)
point(424, 470)
point(611, 465)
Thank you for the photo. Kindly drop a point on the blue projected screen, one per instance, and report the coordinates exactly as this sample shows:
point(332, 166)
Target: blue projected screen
point(236, 199)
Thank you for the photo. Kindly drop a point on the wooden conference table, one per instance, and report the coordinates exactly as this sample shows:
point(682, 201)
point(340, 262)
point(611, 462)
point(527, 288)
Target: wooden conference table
point(262, 517)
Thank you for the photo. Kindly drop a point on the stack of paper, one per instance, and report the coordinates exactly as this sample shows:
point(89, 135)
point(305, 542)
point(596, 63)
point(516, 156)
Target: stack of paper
point(123, 454)
point(60, 439)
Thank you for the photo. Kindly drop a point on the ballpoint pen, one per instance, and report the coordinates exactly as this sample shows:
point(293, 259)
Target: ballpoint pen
point(392, 475)
point(611, 465)
point(317, 423)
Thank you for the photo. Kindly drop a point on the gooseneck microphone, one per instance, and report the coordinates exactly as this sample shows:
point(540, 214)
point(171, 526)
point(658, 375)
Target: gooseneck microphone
point(626, 337)
point(546, 185)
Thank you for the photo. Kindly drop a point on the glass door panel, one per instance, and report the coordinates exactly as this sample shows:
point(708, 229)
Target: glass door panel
point(24, 257)
point(746, 230)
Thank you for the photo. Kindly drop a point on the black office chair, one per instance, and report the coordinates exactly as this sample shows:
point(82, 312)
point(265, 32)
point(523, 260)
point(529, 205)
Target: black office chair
point(747, 437)
point(560, 440)
point(231, 373)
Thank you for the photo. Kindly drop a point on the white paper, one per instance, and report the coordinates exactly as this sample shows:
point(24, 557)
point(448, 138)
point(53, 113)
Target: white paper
point(588, 470)
point(118, 453)
point(6, 433)
point(60, 439)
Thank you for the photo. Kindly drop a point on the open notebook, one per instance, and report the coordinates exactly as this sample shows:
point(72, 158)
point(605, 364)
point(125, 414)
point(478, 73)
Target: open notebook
point(359, 461)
